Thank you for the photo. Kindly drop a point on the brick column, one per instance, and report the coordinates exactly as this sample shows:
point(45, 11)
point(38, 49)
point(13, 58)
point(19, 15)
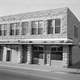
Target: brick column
point(65, 56)
point(29, 54)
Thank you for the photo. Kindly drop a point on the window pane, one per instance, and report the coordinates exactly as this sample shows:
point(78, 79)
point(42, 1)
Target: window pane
point(57, 25)
point(57, 30)
point(40, 27)
point(56, 53)
point(75, 31)
point(12, 29)
point(34, 26)
point(49, 27)
point(57, 22)
point(0, 30)
point(5, 29)
point(34, 30)
point(24, 28)
point(17, 31)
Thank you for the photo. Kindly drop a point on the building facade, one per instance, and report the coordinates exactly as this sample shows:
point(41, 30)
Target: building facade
point(48, 37)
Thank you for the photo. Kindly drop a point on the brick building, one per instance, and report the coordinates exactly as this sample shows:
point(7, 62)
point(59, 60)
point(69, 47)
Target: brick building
point(48, 37)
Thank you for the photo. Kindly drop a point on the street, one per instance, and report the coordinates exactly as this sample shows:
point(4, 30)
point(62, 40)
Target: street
point(8, 73)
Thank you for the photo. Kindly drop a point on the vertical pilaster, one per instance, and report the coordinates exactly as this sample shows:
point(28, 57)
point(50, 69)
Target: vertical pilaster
point(4, 53)
point(65, 56)
point(29, 54)
point(48, 56)
point(53, 25)
point(19, 54)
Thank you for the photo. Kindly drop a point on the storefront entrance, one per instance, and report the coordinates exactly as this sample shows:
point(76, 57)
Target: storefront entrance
point(37, 54)
point(46, 54)
point(8, 55)
point(24, 54)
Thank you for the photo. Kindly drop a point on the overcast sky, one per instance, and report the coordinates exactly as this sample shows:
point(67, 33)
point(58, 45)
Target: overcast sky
point(9, 7)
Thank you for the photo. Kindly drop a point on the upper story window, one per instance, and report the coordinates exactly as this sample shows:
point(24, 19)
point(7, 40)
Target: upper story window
point(40, 27)
point(0, 30)
point(17, 29)
point(57, 26)
point(24, 28)
point(50, 26)
point(37, 27)
point(75, 31)
point(4, 29)
point(12, 29)
point(34, 25)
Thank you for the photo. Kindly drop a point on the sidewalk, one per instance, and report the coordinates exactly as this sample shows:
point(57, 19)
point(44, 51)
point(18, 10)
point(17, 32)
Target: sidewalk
point(39, 68)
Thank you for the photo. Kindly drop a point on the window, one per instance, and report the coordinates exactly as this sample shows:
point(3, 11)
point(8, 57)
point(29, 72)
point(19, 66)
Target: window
point(57, 26)
point(40, 27)
point(56, 53)
point(5, 29)
point(12, 31)
point(49, 27)
point(17, 29)
point(37, 27)
point(34, 26)
point(38, 52)
point(0, 30)
point(24, 28)
point(75, 31)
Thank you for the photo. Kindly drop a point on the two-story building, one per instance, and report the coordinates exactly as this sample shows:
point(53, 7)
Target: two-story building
point(47, 37)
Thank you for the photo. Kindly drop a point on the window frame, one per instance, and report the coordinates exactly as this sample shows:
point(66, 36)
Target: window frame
point(57, 26)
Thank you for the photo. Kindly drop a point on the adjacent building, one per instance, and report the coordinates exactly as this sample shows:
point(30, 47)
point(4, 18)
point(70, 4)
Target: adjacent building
point(47, 37)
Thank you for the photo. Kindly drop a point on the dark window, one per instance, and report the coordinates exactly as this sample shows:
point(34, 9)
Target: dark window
point(75, 31)
point(5, 29)
point(34, 25)
point(8, 55)
point(24, 28)
point(56, 53)
point(38, 52)
point(57, 26)
point(12, 31)
point(40, 27)
point(0, 30)
point(49, 27)
point(17, 29)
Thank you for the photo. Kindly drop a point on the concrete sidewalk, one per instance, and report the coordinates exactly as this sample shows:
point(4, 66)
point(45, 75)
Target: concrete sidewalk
point(39, 68)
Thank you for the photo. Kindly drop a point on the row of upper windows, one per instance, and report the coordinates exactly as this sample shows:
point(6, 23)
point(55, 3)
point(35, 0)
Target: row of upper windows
point(37, 28)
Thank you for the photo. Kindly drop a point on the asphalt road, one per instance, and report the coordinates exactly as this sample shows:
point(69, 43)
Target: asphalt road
point(7, 73)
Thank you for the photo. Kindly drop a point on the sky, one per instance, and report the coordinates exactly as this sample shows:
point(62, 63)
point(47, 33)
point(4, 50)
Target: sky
point(10, 7)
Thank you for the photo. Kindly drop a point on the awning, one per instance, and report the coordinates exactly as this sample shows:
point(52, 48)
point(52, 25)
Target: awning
point(39, 41)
